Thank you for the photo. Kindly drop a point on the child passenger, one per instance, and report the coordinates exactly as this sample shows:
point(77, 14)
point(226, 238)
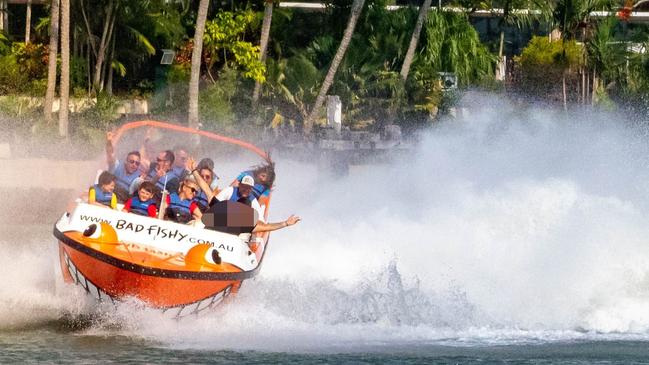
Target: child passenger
point(102, 193)
point(143, 203)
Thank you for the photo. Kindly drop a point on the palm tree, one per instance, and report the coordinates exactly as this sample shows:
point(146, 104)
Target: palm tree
point(357, 7)
point(571, 16)
point(28, 21)
point(196, 63)
point(65, 68)
point(51, 70)
point(520, 13)
point(407, 61)
point(263, 44)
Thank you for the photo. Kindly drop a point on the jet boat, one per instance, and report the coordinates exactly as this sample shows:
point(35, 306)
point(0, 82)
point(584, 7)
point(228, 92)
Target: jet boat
point(181, 269)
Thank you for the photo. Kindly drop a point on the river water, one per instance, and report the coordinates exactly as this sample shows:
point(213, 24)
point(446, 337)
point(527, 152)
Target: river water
point(517, 237)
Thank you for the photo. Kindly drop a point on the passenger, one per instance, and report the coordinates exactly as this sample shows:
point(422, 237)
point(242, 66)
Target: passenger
point(161, 173)
point(143, 203)
point(181, 207)
point(180, 160)
point(201, 197)
point(264, 176)
point(243, 194)
point(207, 163)
point(102, 193)
point(125, 172)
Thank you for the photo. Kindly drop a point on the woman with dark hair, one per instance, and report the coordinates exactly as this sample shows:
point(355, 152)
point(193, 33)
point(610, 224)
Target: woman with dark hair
point(264, 176)
point(102, 193)
point(208, 176)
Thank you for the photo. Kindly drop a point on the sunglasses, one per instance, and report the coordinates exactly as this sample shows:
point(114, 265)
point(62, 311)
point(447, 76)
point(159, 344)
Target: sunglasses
point(194, 190)
point(161, 160)
point(207, 177)
point(134, 162)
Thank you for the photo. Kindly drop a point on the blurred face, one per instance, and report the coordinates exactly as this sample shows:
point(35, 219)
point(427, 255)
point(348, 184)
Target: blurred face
point(189, 191)
point(109, 188)
point(263, 177)
point(144, 195)
point(207, 175)
point(162, 161)
point(244, 190)
point(181, 158)
point(132, 163)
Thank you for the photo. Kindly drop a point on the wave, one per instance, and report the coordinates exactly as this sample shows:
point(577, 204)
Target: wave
point(513, 225)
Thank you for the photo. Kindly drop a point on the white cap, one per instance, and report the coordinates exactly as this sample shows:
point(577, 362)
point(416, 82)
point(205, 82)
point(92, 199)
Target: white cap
point(248, 180)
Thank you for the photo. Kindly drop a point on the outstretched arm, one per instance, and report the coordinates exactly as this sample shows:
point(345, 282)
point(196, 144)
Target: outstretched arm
point(267, 227)
point(145, 149)
point(110, 151)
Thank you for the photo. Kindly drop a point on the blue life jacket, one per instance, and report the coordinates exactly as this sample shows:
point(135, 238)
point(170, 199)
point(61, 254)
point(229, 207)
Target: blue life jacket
point(178, 209)
point(201, 200)
point(170, 178)
point(180, 172)
point(257, 190)
point(101, 196)
point(124, 179)
point(238, 198)
point(140, 207)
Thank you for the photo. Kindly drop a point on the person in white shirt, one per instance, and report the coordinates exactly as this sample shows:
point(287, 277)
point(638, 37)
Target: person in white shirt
point(243, 194)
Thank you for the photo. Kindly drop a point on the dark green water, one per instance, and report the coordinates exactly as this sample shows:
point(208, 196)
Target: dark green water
point(65, 347)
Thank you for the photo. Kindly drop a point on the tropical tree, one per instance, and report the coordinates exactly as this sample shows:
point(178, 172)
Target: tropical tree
point(573, 19)
point(99, 50)
point(225, 46)
point(606, 55)
point(453, 45)
point(414, 40)
point(65, 68)
point(518, 13)
point(51, 70)
point(196, 63)
point(263, 43)
point(356, 8)
point(574, 16)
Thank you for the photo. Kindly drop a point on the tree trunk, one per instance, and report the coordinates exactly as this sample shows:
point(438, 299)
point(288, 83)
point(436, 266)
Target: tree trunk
point(88, 72)
point(357, 7)
point(109, 22)
point(196, 63)
point(109, 79)
point(588, 94)
point(595, 86)
point(583, 86)
point(28, 21)
point(414, 39)
point(75, 43)
point(263, 44)
point(65, 68)
point(565, 97)
point(51, 67)
point(501, 48)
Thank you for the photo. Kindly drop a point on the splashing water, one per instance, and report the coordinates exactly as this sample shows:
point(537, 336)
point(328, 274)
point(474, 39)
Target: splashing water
point(511, 226)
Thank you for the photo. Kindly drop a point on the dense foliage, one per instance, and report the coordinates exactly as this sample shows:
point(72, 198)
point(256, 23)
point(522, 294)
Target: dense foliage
point(117, 46)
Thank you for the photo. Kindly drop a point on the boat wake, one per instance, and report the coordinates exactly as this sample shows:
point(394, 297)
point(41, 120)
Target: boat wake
point(512, 227)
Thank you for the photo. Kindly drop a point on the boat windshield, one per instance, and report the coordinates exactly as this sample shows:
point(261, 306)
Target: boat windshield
point(230, 217)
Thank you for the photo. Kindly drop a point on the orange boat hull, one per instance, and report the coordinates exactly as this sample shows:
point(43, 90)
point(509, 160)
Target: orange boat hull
point(178, 293)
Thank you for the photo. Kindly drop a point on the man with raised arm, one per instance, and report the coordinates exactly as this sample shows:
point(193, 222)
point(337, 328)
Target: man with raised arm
point(125, 171)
